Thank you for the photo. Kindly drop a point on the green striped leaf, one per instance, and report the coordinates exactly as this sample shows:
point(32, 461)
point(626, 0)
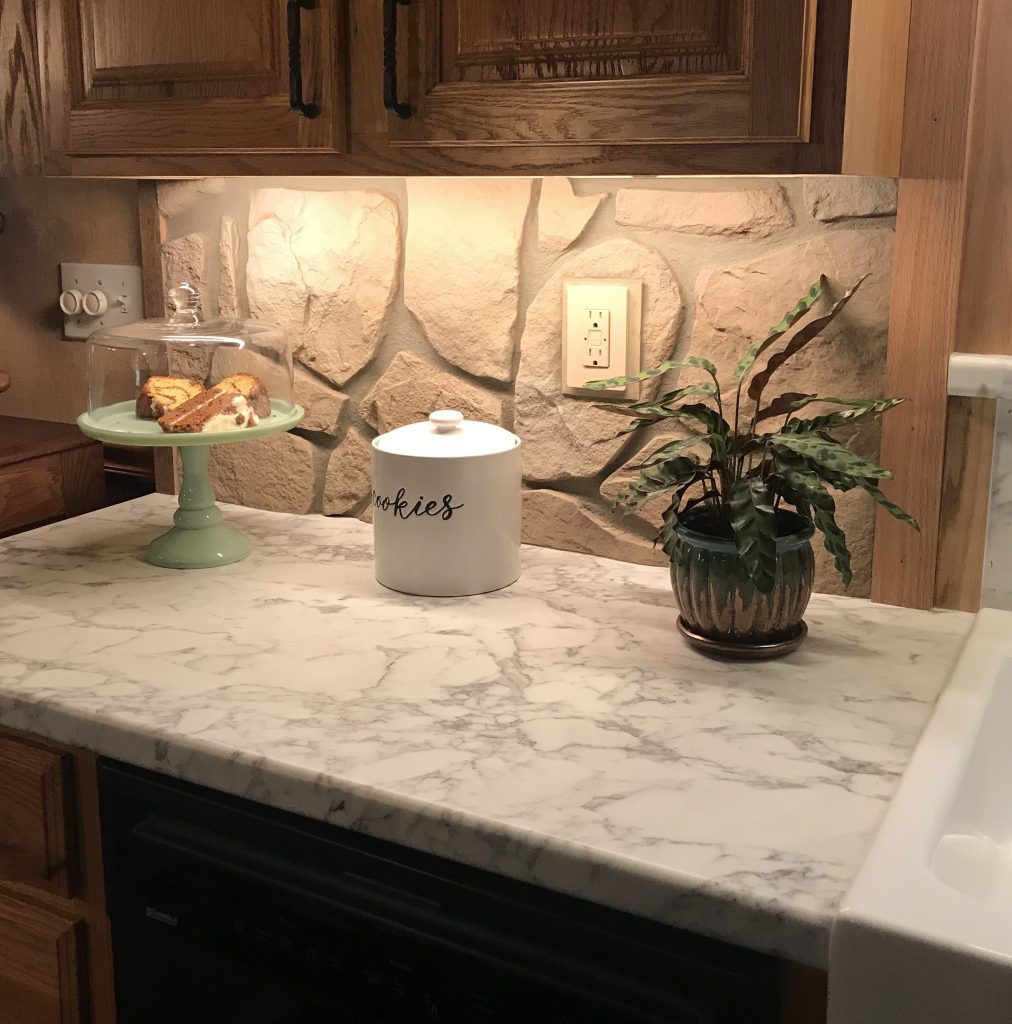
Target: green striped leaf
point(665, 452)
point(857, 409)
point(803, 305)
point(658, 371)
point(755, 531)
point(782, 405)
point(891, 507)
point(821, 452)
point(803, 336)
point(835, 541)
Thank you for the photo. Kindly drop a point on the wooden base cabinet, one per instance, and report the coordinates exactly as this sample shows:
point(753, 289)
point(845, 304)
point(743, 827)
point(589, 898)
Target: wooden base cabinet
point(55, 945)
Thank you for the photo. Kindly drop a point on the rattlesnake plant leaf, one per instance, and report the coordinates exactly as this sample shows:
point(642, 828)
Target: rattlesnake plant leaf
point(835, 541)
point(857, 408)
point(803, 305)
point(661, 478)
point(832, 455)
point(658, 371)
point(755, 531)
point(783, 405)
point(805, 483)
point(891, 507)
point(709, 418)
point(645, 412)
point(706, 388)
point(804, 335)
point(666, 451)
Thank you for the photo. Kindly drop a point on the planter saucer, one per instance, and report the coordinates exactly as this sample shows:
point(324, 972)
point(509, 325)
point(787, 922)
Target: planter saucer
point(730, 651)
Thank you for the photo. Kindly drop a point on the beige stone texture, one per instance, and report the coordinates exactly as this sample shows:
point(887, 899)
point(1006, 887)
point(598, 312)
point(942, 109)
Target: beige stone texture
point(737, 305)
point(184, 260)
point(411, 388)
point(323, 265)
point(560, 432)
point(349, 475)
point(462, 267)
point(740, 211)
point(837, 197)
point(176, 197)
point(322, 403)
point(228, 277)
point(562, 215)
point(276, 473)
point(552, 519)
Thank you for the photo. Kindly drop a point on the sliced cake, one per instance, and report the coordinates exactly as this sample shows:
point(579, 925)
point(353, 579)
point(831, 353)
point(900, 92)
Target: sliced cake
point(251, 388)
point(159, 395)
point(208, 412)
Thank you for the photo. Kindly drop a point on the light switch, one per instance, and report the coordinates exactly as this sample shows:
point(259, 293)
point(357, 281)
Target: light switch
point(95, 295)
point(600, 317)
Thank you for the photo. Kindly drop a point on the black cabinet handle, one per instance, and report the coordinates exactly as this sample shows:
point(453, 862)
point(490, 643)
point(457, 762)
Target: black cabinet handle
point(298, 104)
point(390, 100)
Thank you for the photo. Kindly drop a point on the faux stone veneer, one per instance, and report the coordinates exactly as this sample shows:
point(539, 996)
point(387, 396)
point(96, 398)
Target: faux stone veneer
point(406, 295)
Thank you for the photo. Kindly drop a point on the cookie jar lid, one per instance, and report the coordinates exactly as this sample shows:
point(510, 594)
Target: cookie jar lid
point(447, 435)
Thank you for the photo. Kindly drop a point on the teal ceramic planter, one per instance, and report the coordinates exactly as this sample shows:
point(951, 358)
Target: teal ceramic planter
point(719, 602)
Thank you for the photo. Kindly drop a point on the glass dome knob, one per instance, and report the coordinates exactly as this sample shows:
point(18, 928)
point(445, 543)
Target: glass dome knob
point(184, 301)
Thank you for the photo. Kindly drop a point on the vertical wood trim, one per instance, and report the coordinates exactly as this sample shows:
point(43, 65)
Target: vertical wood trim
point(923, 325)
point(876, 87)
point(803, 994)
point(20, 90)
point(966, 486)
point(984, 314)
point(151, 228)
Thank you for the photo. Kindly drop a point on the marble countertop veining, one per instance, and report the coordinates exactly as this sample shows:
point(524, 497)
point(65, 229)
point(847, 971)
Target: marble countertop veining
point(559, 731)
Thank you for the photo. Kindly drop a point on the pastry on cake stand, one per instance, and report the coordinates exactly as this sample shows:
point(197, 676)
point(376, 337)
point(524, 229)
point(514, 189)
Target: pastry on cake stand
point(184, 344)
point(200, 538)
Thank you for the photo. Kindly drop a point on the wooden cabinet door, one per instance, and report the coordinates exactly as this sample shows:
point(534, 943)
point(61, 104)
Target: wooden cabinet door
point(36, 816)
point(40, 978)
point(572, 72)
point(137, 77)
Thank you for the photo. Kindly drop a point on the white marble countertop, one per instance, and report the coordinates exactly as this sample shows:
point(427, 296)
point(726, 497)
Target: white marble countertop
point(559, 731)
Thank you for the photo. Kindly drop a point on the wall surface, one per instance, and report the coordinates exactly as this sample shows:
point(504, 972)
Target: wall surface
point(406, 295)
point(48, 221)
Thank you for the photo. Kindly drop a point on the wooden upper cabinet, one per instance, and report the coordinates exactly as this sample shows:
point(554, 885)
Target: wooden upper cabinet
point(571, 72)
point(136, 77)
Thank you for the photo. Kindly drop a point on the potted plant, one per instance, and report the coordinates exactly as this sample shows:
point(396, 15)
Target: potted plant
point(749, 486)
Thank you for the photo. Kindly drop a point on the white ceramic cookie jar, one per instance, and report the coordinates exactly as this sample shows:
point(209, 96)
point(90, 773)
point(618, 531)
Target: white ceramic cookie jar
point(446, 507)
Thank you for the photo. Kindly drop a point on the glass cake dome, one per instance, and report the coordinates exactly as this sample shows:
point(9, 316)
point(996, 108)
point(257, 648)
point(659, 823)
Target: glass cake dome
point(139, 372)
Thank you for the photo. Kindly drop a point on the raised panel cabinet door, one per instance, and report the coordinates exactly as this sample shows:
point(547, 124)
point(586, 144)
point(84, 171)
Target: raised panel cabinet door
point(40, 973)
point(133, 77)
point(569, 72)
point(36, 815)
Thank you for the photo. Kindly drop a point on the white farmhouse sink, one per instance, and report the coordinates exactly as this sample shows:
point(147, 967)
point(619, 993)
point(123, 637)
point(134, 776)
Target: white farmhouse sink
point(925, 934)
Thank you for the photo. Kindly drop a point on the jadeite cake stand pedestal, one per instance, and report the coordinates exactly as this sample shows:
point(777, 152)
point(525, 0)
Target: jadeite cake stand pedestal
point(199, 538)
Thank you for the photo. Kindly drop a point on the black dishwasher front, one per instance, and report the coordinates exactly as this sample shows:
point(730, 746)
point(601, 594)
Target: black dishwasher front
point(227, 911)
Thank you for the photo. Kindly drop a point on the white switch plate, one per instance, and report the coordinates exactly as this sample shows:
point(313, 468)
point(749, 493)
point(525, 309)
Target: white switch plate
point(122, 285)
point(622, 300)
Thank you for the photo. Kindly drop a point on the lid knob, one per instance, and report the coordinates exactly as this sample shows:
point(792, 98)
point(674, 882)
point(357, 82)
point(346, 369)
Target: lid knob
point(445, 420)
point(184, 301)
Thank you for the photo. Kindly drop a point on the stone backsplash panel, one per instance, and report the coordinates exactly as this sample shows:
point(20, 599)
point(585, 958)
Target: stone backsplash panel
point(403, 295)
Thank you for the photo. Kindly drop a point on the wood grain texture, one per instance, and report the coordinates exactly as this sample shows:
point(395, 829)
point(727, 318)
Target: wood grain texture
point(40, 976)
point(985, 324)
point(86, 909)
point(927, 265)
point(21, 133)
point(208, 77)
point(531, 72)
point(876, 87)
point(36, 835)
point(31, 493)
point(23, 439)
point(83, 470)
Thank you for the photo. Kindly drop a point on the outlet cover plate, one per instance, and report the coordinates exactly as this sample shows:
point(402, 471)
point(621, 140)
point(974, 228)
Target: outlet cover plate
point(574, 372)
point(121, 284)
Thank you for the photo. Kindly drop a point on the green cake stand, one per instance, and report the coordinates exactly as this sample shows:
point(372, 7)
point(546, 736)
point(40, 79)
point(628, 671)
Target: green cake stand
point(199, 539)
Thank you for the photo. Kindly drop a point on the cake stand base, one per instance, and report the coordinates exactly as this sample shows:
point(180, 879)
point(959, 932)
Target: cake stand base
point(200, 539)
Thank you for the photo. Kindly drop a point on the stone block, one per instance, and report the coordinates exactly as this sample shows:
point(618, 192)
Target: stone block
point(562, 215)
point(349, 475)
point(276, 473)
point(837, 197)
point(462, 267)
point(740, 211)
point(322, 403)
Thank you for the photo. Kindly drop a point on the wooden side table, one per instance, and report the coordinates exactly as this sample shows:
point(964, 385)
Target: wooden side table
point(48, 471)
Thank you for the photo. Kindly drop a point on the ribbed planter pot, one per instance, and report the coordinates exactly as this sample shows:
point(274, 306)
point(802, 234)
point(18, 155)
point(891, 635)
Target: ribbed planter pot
point(720, 604)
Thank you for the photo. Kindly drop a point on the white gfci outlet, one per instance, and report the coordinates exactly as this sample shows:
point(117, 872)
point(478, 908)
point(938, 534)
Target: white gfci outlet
point(601, 334)
point(94, 295)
